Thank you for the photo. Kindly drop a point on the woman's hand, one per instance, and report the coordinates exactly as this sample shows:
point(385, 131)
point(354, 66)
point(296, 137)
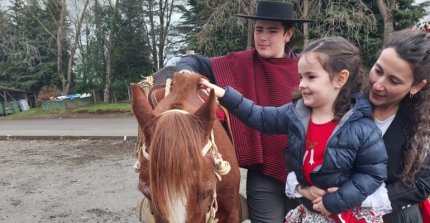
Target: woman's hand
point(219, 92)
point(319, 206)
point(318, 202)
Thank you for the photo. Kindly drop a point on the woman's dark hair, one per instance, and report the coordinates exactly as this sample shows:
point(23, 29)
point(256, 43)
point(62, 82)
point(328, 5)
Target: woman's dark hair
point(414, 48)
point(336, 54)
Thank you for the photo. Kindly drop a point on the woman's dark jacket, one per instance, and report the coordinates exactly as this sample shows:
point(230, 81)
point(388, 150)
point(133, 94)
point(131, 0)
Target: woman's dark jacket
point(404, 199)
point(355, 159)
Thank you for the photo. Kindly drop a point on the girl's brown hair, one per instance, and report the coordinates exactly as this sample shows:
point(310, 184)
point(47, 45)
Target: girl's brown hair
point(336, 54)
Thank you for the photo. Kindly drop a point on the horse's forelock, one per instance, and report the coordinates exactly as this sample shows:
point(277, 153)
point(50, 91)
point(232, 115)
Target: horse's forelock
point(184, 86)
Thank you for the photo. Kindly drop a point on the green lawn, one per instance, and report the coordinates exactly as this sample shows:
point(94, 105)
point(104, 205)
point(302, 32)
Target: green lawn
point(101, 109)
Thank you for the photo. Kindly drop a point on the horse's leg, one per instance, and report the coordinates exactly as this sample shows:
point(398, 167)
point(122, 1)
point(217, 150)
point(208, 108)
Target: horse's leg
point(228, 197)
point(228, 188)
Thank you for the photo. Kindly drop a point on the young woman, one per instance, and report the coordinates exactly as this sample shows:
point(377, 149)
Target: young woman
point(332, 139)
point(400, 95)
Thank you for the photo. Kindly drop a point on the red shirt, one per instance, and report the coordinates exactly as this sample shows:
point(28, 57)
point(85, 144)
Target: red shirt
point(316, 141)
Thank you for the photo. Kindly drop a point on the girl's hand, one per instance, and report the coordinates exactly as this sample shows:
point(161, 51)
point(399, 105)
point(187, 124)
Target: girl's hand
point(332, 189)
point(219, 92)
point(311, 193)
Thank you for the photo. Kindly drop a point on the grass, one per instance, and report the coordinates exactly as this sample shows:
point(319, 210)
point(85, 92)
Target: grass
point(105, 108)
point(95, 110)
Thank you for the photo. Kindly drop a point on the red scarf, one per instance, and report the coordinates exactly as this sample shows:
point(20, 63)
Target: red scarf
point(266, 82)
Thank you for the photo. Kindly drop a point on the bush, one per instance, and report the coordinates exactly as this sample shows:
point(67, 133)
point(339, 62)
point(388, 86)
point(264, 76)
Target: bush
point(48, 93)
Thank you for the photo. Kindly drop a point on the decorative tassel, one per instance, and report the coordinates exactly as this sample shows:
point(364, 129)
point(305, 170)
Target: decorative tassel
point(221, 166)
point(136, 166)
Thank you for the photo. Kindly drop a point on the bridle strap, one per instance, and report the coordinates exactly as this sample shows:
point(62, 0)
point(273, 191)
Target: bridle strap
point(175, 110)
point(167, 88)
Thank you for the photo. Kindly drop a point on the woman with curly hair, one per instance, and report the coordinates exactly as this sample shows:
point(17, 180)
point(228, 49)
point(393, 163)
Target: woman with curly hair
point(400, 95)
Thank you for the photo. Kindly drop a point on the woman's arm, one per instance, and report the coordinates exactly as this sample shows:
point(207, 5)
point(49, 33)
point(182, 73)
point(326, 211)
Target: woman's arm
point(294, 190)
point(369, 172)
point(403, 196)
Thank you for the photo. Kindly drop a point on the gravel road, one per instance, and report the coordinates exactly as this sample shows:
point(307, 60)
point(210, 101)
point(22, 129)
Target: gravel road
point(68, 181)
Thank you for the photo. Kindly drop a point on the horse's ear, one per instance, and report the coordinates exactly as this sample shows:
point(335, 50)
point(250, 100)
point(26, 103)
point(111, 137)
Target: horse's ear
point(207, 112)
point(142, 110)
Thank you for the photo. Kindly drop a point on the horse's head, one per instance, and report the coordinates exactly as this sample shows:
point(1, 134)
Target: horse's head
point(177, 178)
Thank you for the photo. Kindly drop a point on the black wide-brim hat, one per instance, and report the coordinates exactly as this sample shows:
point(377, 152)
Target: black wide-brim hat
point(275, 11)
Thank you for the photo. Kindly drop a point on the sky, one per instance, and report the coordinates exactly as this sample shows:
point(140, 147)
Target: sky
point(5, 3)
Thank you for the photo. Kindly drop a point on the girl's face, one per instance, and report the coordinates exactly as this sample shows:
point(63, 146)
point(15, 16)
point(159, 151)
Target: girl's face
point(318, 90)
point(390, 79)
point(270, 38)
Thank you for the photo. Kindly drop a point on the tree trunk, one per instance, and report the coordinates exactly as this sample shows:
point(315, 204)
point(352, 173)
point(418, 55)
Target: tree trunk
point(250, 35)
point(74, 45)
point(305, 25)
point(250, 29)
point(386, 8)
point(152, 35)
point(109, 45)
point(64, 83)
point(108, 79)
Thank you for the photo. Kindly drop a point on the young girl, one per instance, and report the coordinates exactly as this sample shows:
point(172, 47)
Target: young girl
point(332, 139)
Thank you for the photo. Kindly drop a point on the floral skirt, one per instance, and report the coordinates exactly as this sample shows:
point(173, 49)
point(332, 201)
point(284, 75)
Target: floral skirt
point(356, 215)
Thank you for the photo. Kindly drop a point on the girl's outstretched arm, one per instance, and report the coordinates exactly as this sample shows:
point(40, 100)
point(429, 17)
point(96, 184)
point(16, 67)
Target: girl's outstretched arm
point(266, 119)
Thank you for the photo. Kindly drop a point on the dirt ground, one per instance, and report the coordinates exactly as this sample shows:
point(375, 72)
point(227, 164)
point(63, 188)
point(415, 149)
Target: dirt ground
point(68, 181)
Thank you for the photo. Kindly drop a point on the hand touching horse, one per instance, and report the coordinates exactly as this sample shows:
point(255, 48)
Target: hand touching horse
point(179, 172)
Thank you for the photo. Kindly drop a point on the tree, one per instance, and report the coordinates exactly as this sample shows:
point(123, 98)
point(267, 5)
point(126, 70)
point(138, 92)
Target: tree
point(25, 48)
point(159, 30)
point(213, 29)
point(386, 8)
point(408, 13)
point(57, 12)
point(130, 49)
point(109, 49)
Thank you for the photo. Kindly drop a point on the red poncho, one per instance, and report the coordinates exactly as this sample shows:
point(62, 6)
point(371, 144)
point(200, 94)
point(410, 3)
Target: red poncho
point(268, 82)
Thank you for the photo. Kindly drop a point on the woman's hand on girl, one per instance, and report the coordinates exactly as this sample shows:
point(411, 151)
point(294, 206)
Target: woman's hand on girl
point(319, 206)
point(219, 92)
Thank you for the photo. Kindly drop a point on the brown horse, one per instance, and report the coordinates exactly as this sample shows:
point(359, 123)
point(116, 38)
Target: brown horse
point(179, 172)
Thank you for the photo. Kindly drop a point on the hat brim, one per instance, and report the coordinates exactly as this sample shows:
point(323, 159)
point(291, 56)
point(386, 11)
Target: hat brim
point(274, 19)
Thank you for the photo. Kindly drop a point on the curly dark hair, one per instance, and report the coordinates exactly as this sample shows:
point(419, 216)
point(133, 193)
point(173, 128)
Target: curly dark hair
point(336, 54)
point(414, 48)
